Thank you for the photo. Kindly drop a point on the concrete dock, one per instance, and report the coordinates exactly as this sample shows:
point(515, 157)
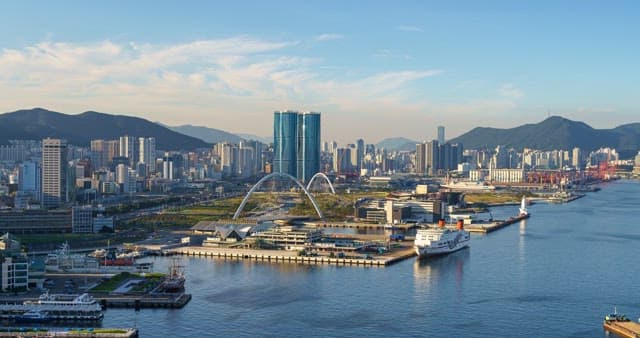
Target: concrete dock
point(493, 226)
point(627, 329)
point(282, 256)
point(70, 333)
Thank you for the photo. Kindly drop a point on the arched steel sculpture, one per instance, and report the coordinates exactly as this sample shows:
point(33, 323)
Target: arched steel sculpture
point(333, 191)
point(257, 185)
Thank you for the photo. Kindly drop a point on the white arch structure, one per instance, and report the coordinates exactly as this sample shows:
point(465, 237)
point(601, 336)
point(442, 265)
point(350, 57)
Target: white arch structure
point(285, 175)
point(333, 191)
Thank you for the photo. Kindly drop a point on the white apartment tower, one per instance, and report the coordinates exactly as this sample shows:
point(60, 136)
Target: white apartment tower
point(147, 148)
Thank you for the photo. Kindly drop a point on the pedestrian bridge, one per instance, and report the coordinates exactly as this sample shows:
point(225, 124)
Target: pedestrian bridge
point(292, 179)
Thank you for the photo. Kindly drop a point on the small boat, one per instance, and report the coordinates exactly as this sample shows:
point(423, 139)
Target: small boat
point(34, 316)
point(616, 317)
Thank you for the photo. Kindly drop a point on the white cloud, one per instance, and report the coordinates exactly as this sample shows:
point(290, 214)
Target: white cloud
point(404, 28)
point(232, 83)
point(328, 37)
point(509, 90)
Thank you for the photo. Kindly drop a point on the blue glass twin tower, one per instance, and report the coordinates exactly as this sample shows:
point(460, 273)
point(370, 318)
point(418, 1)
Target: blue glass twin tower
point(296, 143)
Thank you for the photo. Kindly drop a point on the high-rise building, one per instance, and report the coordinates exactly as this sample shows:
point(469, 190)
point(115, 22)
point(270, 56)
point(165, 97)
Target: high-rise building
point(441, 135)
point(54, 172)
point(432, 158)
point(147, 149)
point(29, 176)
point(296, 143)
point(576, 158)
point(308, 152)
point(359, 153)
point(285, 129)
point(421, 152)
point(127, 148)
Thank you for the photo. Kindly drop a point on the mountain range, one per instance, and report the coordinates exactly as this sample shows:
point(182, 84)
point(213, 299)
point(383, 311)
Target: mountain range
point(555, 133)
point(38, 123)
point(213, 135)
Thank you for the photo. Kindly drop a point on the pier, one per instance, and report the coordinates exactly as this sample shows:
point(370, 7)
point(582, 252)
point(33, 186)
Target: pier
point(145, 301)
point(626, 329)
point(71, 333)
point(281, 256)
point(485, 228)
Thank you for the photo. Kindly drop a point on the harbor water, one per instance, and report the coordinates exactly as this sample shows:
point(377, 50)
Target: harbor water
point(553, 275)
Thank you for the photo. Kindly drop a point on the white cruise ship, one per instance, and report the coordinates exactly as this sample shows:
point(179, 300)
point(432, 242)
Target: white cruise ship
point(440, 241)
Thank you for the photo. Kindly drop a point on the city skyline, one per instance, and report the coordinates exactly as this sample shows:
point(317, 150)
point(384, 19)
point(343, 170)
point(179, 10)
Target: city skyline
point(389, 70)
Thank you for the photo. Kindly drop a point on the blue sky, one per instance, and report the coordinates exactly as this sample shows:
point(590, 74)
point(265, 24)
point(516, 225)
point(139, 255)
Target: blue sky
point(375, 69)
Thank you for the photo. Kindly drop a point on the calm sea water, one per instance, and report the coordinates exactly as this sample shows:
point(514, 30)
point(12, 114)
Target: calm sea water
point(553, 275)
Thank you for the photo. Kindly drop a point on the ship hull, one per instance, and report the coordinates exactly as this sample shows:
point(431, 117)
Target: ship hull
point(445, 248)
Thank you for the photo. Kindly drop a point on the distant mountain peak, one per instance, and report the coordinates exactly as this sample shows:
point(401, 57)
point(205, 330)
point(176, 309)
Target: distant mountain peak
point(80, 129)
point(554, 132)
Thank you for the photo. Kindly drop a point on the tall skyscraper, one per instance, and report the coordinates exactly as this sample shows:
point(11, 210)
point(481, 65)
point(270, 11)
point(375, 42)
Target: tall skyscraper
point(421, 153)
point(285, 130)
point(296, 147)
point(359, 154)
point(308, 152)
point(147, 149)
point(432, 158)
point(127, 148)
point(54, 172)
point(441, 135)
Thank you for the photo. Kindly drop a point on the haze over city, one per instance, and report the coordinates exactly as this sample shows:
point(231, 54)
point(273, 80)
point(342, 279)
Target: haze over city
point(389, 70)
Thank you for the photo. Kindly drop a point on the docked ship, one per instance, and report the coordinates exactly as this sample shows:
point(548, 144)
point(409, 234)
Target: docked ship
point(62, 260)
point(54, 307)
point(440, 240)
point(174, 281)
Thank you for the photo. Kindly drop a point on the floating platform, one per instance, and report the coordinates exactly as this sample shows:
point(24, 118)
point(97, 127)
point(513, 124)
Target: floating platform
point(626, 329)
point(281, 256)
point(70, 333)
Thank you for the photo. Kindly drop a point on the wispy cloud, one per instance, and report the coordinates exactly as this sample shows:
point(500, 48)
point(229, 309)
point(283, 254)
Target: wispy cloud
point(509, 90)
point(222, 82)
point(405, 28)
point(328, 37)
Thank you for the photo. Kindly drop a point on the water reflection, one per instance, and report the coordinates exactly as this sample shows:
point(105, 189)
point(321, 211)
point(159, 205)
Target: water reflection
point(522, 240)
point(431, 273)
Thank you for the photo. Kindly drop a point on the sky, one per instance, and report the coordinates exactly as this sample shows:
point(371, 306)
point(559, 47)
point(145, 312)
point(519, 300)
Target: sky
point(374, 69)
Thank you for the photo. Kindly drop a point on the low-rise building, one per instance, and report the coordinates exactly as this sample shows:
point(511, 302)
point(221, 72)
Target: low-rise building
point(35, 221)
point(14, 266)
point(289, 237)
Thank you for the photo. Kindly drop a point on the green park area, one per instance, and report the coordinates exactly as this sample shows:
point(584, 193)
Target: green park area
point(150, 280)
point(333, 207)
point(495, 198)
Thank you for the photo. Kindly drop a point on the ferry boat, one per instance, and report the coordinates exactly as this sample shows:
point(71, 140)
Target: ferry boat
point(440, 240)
point(55, 307)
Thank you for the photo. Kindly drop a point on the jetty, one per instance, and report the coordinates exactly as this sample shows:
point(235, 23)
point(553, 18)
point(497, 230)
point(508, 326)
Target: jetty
point(70, 333)
point(493, 226)
point(283, 256)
